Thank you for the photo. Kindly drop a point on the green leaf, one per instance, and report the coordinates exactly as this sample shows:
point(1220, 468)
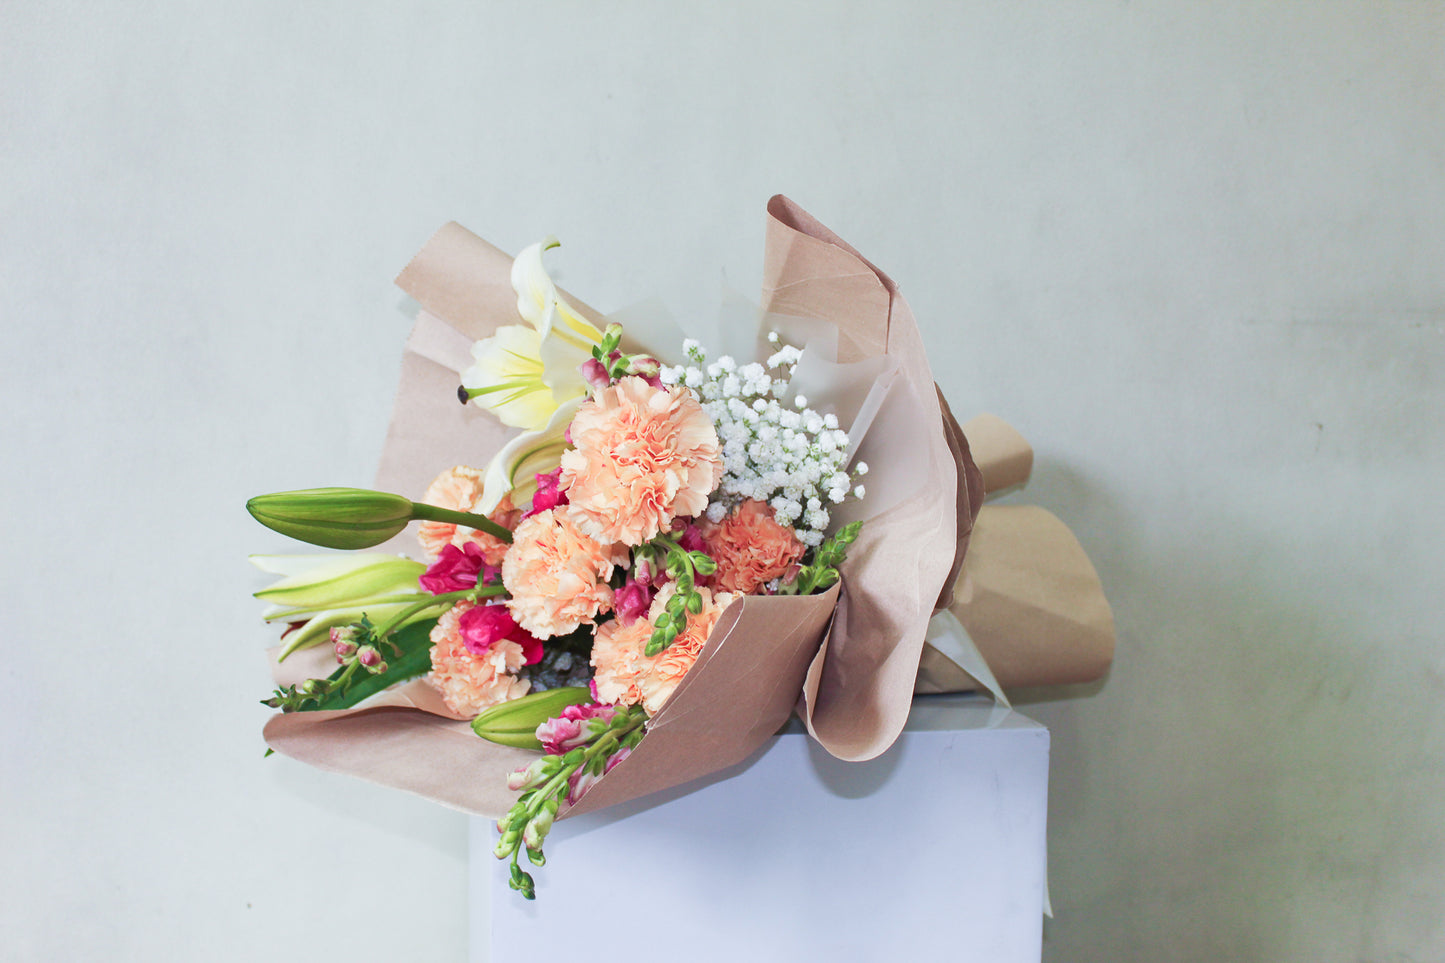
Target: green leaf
point(413, 643)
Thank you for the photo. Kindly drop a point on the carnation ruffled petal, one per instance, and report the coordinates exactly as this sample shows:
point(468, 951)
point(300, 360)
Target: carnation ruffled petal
point(468, 682)
point(643, 457)
point(556, 574)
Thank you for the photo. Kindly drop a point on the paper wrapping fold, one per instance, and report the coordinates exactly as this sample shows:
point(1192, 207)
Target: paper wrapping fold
point(860, 686)
point(1027, 593)
point(855, 661)
point(1031, 602)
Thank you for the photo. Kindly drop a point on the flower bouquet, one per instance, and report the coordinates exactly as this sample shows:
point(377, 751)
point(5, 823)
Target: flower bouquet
point(641, 556)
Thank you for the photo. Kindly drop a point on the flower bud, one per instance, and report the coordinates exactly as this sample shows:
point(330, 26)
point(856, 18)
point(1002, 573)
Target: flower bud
point(644, 366)
point(529, 776)
point(344, 633)
point(315, 687)
point(368, 656)
point(514, 723)
point(537, 829)
point(595, 373)
point(333, 517)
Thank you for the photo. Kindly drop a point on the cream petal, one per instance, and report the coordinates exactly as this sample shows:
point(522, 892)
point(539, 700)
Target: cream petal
point(515, 467)
point(536, 292)
point(562, 359)
point(508, 370)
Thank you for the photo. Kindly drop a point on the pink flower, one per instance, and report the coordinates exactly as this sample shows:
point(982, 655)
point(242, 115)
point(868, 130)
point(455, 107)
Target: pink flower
point(576, 726)
point(483, 626)
point(623, 675)
point(459, 489)
point(644, 456)
point(454, 570)
point(594, 373)
point(468, 682)
point(632, 600)
point(549, 493)
point(581, 781)
point(750, 548)
point(689, 537)
point(557, 575)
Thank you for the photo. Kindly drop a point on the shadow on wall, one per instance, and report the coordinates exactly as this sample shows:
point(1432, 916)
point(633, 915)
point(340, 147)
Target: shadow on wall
point(1257, 778)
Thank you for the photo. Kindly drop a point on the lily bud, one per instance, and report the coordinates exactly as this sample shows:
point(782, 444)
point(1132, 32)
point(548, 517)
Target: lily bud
point(333, 517)
point(314, 582)
point(515, 723)
point(326, 591)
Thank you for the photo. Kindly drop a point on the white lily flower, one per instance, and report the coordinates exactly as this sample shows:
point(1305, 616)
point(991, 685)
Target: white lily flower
point(515, 468)
point(522, 374)
point(506, 377)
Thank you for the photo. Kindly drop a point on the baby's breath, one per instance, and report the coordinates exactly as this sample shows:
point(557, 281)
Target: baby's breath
point(786, 455)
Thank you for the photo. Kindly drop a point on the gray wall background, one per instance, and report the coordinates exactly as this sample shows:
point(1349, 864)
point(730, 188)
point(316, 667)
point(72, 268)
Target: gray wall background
point(1194, 252)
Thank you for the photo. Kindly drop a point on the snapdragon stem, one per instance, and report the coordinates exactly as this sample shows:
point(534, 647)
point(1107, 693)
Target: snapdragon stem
point(432, 601)
point(342, 680)
point(557, 787)
point(431, 513)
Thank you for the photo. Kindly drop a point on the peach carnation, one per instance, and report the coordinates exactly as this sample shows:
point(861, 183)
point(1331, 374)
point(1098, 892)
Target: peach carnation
point(557, 576)
point(750, 547)
point(643, 457)
point(624, 675)
point(468, 682)
point(458, 489)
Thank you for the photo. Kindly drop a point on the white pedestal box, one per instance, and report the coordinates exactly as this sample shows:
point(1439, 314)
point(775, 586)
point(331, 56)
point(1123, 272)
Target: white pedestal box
point(937, 846)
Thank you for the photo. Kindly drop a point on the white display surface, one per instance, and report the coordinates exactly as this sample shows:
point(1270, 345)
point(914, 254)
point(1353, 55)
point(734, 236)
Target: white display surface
point(937, 846)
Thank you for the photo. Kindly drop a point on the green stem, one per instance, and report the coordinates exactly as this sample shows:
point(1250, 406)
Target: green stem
point(345, 678)
point(433, 601)
point(430, 513)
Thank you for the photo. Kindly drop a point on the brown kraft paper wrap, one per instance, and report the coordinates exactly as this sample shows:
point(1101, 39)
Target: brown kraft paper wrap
point(857, 684)
point(1027, 594)
point(1016, 578)
point(739, 692)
